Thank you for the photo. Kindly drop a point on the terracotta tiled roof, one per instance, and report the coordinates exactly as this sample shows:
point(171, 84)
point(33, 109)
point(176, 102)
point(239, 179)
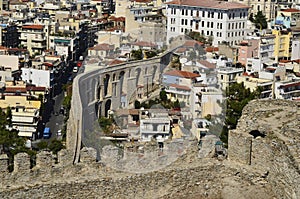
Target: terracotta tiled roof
point(14, 89)
point(115, 62)
point(113, 18)
point(102, 47)
point(223, 5)
point(290, 85)
point(212, 49)
point(35, 88)
point(36, 27)
point(207, 64)
point(180, 73)
point(192, 43)
point(180, 87)
point(291, 10)
point(180, 50)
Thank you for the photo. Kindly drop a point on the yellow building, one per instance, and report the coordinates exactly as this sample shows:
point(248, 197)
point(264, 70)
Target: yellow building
point(282, 44)
point(253, 83)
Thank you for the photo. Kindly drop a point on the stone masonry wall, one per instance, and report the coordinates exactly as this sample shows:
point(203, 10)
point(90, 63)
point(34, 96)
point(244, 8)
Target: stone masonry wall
point(263, 165)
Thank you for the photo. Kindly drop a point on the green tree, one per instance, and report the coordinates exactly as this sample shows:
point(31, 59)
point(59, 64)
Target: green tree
point(260, 20)
point(163, 96)
point(137, 104)
point(106, 124)
point(42, 145)
point(137, 54)
point(150, 54)
point(67, 102)
point(197, 36)
point(8, 115)
point(237, 98)
point(55, 146)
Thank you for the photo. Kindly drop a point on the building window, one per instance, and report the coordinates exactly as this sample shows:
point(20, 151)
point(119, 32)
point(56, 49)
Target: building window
point(182, 21)
point(228, 26)
point(207, 24)
point(221, 26)
point(203, 13)
point(202, 24)
point(212, 24)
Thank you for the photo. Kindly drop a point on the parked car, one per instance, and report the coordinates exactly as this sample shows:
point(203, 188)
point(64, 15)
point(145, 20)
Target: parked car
point(75, 69)
point(59, 132)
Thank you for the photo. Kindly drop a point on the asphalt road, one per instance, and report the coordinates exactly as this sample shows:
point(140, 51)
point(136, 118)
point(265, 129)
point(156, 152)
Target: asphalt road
point(52, 117)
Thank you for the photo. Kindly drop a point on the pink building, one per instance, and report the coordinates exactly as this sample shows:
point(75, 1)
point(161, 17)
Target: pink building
point(248, 49)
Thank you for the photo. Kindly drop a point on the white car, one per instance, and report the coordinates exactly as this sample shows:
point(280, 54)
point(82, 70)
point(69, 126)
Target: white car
point(75, 69)
point(59, 132)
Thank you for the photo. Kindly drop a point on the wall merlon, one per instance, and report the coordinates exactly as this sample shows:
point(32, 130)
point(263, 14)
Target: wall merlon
point(3, 163)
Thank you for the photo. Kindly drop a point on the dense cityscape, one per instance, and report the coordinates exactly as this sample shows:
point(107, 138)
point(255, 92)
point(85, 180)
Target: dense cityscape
point(146, 86)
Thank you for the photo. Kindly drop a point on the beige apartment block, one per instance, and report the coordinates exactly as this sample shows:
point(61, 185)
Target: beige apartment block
point(268, 8)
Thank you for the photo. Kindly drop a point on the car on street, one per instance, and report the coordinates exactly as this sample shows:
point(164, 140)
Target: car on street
point(75, 69)
point(59, 132)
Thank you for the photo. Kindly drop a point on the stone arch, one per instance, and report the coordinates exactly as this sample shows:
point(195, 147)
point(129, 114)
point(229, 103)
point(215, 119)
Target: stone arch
point(106, 82)
point(107, 107)
point(137, 75)
point(114, 77)
point(121, 81)
point(98, 109)
point(154, 71)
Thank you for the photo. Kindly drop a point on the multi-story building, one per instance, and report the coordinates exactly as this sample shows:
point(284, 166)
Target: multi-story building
point(282, 43)
point(223, 21)
point(4, 5)
point(228, 75)
point(24, 107)
point(65, 45)
point(289, 89)
point(287, 18)
point(34, 38)
point(268, 8)
point(248, 49)
point(178, 85)
point(9, 36)
point(154, 124)
point(295, 50)
point(253, 84)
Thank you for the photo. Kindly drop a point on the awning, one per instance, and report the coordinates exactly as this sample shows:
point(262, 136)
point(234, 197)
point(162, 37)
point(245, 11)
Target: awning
point(25, 134)
point(21, 119)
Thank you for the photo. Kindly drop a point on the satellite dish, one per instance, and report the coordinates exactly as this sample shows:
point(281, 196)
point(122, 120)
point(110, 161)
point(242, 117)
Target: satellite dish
point(183, 60)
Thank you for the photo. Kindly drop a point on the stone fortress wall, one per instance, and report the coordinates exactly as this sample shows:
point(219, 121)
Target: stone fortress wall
point(263, 162)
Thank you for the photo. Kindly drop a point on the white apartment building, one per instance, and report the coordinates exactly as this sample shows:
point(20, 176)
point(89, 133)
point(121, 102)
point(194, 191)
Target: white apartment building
point(224, 21)
point(266, 47)
point(154, 124)
point(295, 50)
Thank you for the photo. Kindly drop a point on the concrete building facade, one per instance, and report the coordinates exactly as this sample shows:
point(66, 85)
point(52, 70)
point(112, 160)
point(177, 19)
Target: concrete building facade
point(220, 20)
